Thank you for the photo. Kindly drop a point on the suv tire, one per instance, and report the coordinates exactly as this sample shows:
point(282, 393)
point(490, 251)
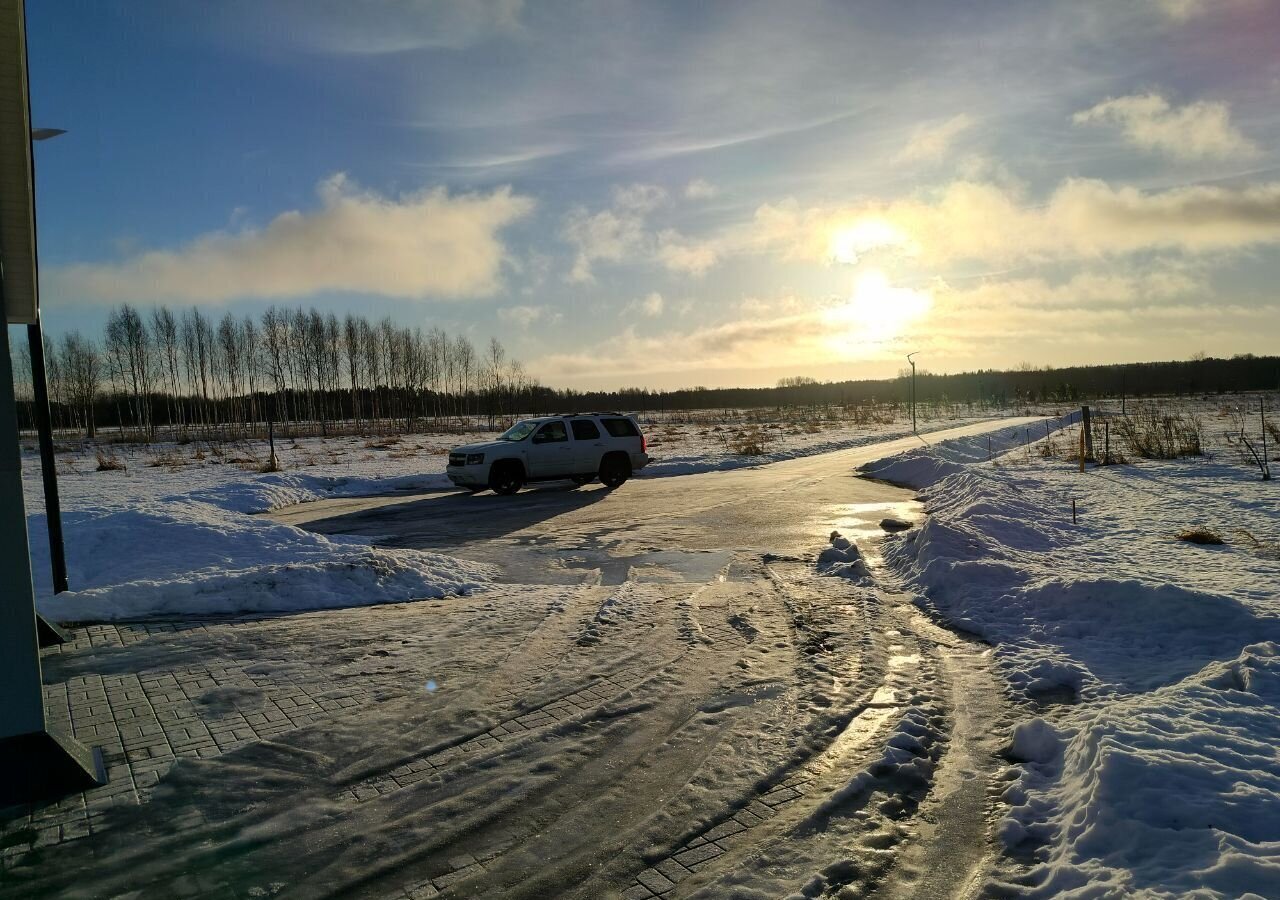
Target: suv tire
point(506, 477)
point(615, 469)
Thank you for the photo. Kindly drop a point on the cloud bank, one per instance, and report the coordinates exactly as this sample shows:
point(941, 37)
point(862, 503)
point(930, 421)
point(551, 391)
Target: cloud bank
point(421, 245)
point(1082, 219)
point(1200, 130)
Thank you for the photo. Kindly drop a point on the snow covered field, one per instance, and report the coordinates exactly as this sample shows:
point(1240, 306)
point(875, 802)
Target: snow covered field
point(173, 531)
point(1149, 666)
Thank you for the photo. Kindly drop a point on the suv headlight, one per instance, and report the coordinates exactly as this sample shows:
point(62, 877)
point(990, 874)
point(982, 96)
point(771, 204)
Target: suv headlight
point(475, 459)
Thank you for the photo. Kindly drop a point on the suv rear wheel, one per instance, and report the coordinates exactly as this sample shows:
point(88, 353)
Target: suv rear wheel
point(615, 469)
point(506, 477)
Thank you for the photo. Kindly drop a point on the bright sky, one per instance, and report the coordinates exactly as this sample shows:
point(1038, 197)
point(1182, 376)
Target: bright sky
point(676, 193)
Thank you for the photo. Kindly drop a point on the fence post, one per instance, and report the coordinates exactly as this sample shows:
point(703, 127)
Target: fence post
point(1088, 431)
point(1106, 437)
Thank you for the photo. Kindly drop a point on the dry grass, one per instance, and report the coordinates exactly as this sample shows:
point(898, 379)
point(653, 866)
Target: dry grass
point(384, 443)
point(1265, 549)
point(1200, 534)
point(749, 442)
point(108, 461)
point(1149, 435)
point(168, 459)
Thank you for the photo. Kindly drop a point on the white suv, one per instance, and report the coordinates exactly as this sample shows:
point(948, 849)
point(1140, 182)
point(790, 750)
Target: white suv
point(576, 447)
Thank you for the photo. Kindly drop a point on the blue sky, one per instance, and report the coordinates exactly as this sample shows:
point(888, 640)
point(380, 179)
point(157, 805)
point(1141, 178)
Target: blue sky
point(677, 193)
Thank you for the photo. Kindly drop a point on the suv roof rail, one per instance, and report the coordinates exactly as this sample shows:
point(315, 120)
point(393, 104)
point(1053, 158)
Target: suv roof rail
point(573, 414)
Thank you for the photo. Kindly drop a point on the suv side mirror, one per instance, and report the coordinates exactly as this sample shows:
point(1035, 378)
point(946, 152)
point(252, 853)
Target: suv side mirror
point(540, 437)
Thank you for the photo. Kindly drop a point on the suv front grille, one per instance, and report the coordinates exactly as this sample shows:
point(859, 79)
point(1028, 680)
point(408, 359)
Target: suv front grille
point(457, 459)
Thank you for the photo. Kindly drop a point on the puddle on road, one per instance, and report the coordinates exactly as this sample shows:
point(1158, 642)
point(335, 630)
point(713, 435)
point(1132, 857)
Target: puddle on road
point(535, 562)
point(666, 566)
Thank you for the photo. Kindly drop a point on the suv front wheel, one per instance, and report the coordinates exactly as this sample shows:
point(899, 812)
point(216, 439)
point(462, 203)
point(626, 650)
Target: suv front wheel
point(506, 478)
point(615, 470)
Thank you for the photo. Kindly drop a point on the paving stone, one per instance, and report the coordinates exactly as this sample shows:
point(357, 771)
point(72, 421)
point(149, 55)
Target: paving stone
point(655, 881)
point(672, 870)
point(723, 830)
point(454, 877)
point(691, 858)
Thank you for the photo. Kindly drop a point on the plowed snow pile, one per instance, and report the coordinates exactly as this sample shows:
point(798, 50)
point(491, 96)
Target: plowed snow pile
point(146, 542)
point(1154, 662)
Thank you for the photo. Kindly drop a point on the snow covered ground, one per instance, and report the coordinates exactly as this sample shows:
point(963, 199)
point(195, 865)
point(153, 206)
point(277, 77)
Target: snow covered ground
point(173, 531)
point(1149, 666)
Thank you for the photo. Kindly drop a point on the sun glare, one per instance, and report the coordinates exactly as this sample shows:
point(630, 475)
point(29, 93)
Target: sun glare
point(877, 311)
point(847, 244)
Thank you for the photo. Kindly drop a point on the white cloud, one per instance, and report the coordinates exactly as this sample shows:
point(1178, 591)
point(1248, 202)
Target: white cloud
point(700, 189)
point(1083, 218)
point(613, 234)
point(639, 198)
point(622, 233)
point(931, 142)
point(524, 316)
point(1200, 130)
point(651, 305)
point(680, 254)
point(424, 244)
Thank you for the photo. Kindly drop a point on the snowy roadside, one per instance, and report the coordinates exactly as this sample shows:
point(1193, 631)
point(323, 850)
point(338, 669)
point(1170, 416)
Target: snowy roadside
point(173, 531)
point(1154, 663)
point(182, 539)
point(693, 454)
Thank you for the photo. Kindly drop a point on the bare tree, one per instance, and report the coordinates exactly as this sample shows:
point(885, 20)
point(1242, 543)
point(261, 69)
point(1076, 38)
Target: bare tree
point(81, 368)
point(164, 331)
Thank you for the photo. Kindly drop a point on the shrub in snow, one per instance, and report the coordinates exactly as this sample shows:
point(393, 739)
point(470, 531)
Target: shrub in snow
point(1200, 535)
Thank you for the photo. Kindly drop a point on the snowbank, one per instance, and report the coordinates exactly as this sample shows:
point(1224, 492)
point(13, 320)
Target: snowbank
point(1167, 793)
point(181, 556)
point(1157, 663)
point(137, 548)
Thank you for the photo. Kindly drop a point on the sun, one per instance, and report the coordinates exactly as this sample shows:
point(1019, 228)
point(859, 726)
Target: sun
point(878, 312)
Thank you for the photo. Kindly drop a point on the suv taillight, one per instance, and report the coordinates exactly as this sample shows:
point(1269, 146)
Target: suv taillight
point(644, 444)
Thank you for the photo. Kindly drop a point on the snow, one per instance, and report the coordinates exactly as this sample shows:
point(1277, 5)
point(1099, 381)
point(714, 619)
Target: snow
point(689, 449)
point(181, 540)
point(175, 531)
point(841, 558)
point(1154, 663)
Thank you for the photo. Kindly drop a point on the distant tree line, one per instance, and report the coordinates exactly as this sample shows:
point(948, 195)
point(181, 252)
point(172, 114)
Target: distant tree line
point(305, 371)
point(985, 387)
point(298, 369)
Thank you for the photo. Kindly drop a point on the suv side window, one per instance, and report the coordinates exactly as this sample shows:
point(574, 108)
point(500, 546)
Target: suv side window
point(551, 433)
point(620, 427)
point(585, 430)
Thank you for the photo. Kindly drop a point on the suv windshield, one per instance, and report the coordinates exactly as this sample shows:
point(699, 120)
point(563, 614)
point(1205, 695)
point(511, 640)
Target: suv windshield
point(518, 431)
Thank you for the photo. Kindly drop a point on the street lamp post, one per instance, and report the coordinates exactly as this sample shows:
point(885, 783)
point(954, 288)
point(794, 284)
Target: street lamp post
point(913, 390)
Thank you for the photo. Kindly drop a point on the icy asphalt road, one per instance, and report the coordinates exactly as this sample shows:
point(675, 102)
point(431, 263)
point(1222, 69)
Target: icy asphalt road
point(663, 698)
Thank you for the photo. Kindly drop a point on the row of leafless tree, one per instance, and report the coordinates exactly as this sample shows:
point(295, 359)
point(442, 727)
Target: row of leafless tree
point(298, 369)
